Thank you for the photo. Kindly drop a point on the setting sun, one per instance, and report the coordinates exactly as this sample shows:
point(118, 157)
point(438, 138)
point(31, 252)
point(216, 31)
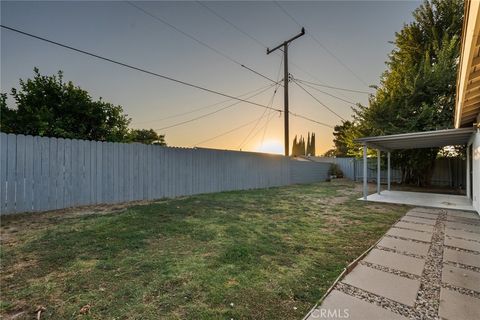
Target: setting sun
point(270, 146)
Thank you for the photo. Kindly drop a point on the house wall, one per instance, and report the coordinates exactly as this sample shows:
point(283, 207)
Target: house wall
point(476, 171)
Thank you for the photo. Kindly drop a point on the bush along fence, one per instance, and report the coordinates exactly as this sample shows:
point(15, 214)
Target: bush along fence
point(40, 173)
point(448, 172)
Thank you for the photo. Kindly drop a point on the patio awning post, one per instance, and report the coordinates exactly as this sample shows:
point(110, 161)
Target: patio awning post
point(388, 171)
point(365, 186)
point(469, 196)
point(378, 170)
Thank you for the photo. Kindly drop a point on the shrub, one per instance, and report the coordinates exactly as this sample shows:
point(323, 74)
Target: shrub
point(335, 171)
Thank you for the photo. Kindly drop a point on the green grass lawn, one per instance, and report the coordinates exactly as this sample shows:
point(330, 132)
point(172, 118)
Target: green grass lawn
point(258, 254)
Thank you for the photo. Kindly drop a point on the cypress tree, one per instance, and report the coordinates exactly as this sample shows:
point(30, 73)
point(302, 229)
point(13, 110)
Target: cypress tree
point(294, 147)
point(312, 146)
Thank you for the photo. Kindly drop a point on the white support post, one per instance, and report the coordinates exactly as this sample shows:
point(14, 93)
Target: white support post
point(468, 188)
point(365, 186)
point(388, 171)
point(378, 170)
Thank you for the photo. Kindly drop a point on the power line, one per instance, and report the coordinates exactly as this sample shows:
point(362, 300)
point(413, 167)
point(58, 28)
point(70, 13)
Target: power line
point(231, 24)
point(265, 110)
point(322, 45)
point(328, 94)
point(256, 124)
point(163, 21)
point(332, 87)
point(226, 132)
point(203, 107)
point(264, 46)
point(320, 102)
point(310, 119)
point(210, 113)
point(138, 69)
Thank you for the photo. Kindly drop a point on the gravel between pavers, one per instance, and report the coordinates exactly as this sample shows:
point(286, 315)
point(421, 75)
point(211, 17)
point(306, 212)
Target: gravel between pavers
point(428, 296)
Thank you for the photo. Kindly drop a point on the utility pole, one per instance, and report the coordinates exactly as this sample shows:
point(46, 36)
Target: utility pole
point(285, 85)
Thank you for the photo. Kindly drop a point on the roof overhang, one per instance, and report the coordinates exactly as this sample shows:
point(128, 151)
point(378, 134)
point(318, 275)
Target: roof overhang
point(419, 140)
point(467, 104)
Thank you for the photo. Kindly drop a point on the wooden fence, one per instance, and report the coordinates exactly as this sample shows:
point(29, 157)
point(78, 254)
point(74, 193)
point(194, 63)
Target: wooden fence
point(40, 173)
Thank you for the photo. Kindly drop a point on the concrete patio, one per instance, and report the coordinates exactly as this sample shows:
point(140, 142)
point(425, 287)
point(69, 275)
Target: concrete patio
point(427, 266)
point(433, 200)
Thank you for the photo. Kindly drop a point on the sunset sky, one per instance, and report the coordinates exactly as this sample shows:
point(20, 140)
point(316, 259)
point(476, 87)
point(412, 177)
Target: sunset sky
point(356, 33)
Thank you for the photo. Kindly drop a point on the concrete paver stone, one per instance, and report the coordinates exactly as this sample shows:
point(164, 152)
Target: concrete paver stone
point(385, 284)
point(410, 234)
point(405, 246)
point(462, 257)
point(463, 244)
point(463, 214)
point(414, 226)
point(343, 306)
point(461, 277)
point(419, 220)
point(421, 215)
point(396, 261)
point(462, 234)
point(463, 226)
point(457, 306)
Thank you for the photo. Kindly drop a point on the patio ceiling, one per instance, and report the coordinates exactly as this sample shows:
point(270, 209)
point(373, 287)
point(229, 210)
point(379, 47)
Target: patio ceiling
point(418, 140)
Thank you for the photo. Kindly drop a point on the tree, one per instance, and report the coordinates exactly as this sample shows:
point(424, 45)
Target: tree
point(330, 153)
point(49, 106)
point(344, 136)
point(147, 136)
point(312, 145)
point(416, 92)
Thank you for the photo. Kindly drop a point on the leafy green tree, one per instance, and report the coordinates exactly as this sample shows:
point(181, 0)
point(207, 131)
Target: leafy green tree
point(147, 136)
point(417, 90)
point(330, 153)
point(49, 106)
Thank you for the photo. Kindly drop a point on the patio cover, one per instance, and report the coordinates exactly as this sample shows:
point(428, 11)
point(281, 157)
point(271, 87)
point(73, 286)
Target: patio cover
point(417, 140)
point(414, 140)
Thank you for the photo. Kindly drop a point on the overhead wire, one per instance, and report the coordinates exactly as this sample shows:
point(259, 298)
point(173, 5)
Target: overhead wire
point(321, 45)
point(206, 45)
point(264, 46)
point(215, 13)
point(309, 119)
point(328, 94)
point(265, 110)
point(316, 99)
point(227, 132)
point(332, 87)
point(211, 113)
point(203, 107)
point(137, 68)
